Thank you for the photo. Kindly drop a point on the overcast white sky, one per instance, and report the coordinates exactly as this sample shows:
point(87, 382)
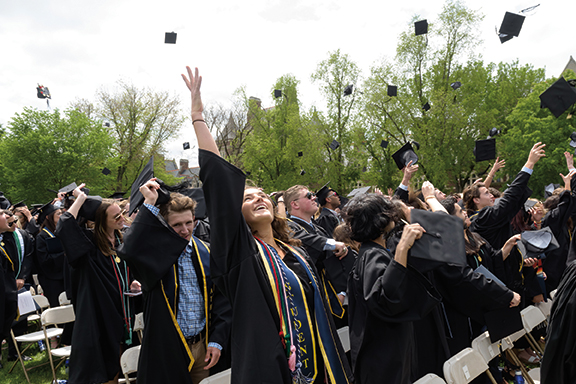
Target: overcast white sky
point(75, 47)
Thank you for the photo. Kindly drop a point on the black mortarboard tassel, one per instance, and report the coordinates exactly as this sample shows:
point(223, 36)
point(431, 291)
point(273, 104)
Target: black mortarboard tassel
point(442, 243)
point(404, 155)
point(170, 38)
point(348, 90)
point(334, 145)
point(277, 93)
point(106, 171)
point(186, 145)
point(485, 149)
point(559, 97)
point(421, 27)
point(392, 90)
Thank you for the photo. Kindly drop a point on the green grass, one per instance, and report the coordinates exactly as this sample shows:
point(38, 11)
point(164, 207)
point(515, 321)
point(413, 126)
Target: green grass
point(40, 375)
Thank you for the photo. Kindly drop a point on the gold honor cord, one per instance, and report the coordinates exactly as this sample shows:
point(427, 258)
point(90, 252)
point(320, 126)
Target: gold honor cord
point(8, 257)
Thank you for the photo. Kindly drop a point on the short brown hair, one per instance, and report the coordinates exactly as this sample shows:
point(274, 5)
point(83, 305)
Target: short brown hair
point(177, 203)
point(291, 195)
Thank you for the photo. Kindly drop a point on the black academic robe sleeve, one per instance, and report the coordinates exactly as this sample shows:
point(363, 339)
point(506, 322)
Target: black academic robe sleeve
point(401, 194)
point(493, 223)
point(312, 241)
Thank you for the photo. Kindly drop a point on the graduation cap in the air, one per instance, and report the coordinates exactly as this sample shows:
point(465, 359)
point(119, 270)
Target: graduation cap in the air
point(404, 155)
point(277, 93)
point(334, 145)
point(392, 90)
point(384, 144)
point(358, 191)
point(106, 171)
point(322, 194)
point(197, 194)
point(511, 26)
point(549, 189)
point(4, 202)
point(443, 241)
point(529, 204)
point(348, 89)
point(44, 211)
point(573, 139)
point(302, 172)
point(493, 132)
point(300, 154)
point(426, 106)
point(68, 188)
point(421, 27)
point(485, 149)
point(136, 198)
point(42, 92)
point(455, 85)
point(117, 195)
point(536, 243)
point(559, 97)
point(186, 145)
point(170, 38)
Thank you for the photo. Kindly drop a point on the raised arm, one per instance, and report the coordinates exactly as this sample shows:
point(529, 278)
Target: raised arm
point(203, 135)
point(80, 199)
point(430, 198)
point(498, 164)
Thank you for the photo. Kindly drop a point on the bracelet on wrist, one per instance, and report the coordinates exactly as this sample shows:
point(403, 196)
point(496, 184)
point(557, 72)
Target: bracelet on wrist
point(194, 121)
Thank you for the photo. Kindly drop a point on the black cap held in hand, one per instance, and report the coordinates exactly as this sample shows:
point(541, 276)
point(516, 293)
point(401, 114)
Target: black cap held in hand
point(404, 155)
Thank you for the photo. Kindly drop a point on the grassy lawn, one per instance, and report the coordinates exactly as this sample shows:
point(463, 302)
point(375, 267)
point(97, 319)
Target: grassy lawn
point(40, 375)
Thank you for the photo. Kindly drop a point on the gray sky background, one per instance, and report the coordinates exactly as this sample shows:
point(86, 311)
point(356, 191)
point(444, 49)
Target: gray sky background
point(77, 47)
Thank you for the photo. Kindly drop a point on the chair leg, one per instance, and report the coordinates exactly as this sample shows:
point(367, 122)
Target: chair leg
point(535, 346)
point(19, 358)
point(49, 350)
point(492, 379)
point(517, 361)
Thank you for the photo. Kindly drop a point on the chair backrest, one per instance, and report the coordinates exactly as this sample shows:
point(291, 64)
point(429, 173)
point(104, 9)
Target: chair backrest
point(129, 360)
point(485, 347)
point(545, 307)
point(32, 291)
point(531, 317)
point(35, 279)
point(430, 379)
point(464, 367)
point(517, 335)
point(42, 301)
point(58, 315)
point(553, 294)
point(223, 377)
point(63, 299)
point(139, 322)
point(344, 334)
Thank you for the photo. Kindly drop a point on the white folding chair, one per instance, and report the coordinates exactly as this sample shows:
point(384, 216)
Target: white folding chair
point(54, 316)
point(534, 374)
point(545, 308)
point(129, 363)
point(464, 367)
point(532, 317)
point(139, 325)
point(344, 334)
point(507, 345)
point(219, 378)
point(553, 294)
point(43, 303)
point(430, 379)
point(63, 299)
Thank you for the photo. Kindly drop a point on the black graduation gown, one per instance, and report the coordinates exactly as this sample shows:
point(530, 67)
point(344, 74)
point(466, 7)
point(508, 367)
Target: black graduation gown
point(202, 230)
point(24, 265)
point(559, 363)
point(8, 292)
point(258, 354)
point(152, 249)
point(50, 261)
point(556, 219)
point(401, 194)
point(327, 220)
point(99, 327)
point(489, 258)
point(385, 298)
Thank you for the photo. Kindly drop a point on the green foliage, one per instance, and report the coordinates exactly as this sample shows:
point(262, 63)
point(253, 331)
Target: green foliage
point(50, 150)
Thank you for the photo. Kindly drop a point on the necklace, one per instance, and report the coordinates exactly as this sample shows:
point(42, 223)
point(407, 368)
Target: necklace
point(116, 258)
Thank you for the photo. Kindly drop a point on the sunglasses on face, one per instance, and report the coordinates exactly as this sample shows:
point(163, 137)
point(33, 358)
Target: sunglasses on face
point(120, 215)
point(309, 196)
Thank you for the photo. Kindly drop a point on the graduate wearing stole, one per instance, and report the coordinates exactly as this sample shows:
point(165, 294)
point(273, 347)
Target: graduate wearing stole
point(281, 329)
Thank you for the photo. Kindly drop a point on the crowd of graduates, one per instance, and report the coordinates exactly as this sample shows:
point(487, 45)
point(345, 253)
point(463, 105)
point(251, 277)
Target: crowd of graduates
point(229, 276)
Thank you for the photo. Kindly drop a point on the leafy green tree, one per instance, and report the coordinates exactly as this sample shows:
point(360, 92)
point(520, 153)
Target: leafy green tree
point(43, 150)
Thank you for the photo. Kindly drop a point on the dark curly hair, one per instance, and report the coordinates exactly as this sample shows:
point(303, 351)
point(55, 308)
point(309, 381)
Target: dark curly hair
point(368, 216)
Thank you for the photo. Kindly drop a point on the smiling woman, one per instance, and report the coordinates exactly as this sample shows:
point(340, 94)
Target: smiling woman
point(279, 313)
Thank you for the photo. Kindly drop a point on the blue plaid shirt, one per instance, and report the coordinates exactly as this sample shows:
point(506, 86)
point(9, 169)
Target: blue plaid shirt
point(190, 314)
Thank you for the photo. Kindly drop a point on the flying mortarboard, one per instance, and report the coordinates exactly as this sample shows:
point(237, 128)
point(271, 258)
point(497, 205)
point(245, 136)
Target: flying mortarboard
point(334, 145)
point(549, 189)
point(170, 38)
point(456, 85)
point(511, 26)
point(302, 172)
point(136, 198)
point(42, 92)
point(358, 191)
point(535, 243)
point(485, 149)
point(348, 89)
point(384, 144)
point(529, 204)
point(392, 90)
point(300, 154)
point(68, 188)
point(277, 93)
point(442, 243)
point(559, 97)
point(421, 27)
point(117, 195)
point(426, 106)
point(404, 155)
point(106, 171)
point(186, 145)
